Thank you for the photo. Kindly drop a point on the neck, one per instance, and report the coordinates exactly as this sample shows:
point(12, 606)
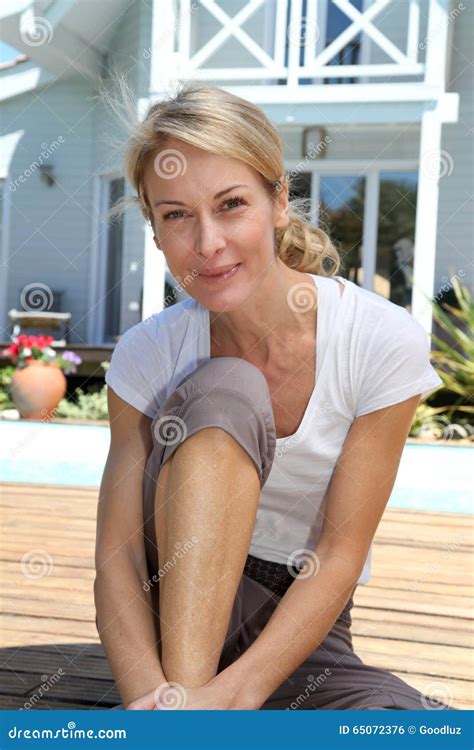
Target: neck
point(277, 313)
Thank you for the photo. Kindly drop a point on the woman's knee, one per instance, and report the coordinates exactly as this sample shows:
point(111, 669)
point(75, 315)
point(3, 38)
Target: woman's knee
point(221, 399)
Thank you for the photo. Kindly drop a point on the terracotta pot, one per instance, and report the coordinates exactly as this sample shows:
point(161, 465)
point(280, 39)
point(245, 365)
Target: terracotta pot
point(37, 389)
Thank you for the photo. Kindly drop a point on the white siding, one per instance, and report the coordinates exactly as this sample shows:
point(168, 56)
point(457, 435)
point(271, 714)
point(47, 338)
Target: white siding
point(54, 229)
point(455, 220)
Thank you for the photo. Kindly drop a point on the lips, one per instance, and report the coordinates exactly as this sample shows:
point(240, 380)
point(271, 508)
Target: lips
point(220, 272)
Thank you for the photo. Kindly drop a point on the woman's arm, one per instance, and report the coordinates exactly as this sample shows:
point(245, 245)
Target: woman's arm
point(357, 495)
point(124, 610)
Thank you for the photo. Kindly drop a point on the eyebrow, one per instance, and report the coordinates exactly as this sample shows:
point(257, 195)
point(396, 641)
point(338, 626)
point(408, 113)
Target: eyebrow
point(217, 195)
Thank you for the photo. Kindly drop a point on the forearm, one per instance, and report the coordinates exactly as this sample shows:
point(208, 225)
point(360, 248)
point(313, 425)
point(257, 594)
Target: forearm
point(127, 630)
point(299, 624)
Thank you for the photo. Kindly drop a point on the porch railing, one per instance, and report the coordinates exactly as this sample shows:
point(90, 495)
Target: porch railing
point(297, 43)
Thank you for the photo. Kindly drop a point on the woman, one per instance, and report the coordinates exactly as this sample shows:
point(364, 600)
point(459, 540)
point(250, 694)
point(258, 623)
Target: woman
point(262, 421)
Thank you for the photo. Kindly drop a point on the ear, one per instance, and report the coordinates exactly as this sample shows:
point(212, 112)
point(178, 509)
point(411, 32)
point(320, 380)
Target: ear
point(281, 206)
point(156, 244)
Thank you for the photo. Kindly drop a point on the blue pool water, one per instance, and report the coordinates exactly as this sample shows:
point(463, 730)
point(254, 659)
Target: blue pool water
point(430, 477)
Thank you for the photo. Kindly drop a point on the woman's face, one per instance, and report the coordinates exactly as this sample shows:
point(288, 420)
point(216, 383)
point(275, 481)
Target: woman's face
point(210, 213)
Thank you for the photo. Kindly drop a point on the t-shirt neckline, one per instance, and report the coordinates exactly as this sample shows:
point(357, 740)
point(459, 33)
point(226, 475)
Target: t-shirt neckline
point(324, 297)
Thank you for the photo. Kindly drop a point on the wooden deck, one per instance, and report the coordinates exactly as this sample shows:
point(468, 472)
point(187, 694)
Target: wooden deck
point(413, 618)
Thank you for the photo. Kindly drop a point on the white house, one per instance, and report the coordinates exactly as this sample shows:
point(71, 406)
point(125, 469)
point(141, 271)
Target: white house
point(373, 100)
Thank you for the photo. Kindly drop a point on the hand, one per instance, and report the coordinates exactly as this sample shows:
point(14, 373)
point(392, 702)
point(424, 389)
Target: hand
point(171, 696)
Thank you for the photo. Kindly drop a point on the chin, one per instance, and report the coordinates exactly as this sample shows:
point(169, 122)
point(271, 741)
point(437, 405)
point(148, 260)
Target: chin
point(222, 298)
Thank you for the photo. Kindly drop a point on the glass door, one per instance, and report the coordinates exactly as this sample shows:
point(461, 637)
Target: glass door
point(341, 216)
point(396, 236)
point(113, 272)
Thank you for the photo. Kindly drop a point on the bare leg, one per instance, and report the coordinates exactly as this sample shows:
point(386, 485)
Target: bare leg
point(208, 489)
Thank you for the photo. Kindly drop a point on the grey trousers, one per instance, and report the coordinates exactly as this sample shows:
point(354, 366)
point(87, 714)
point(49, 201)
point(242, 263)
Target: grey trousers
point(233, 394)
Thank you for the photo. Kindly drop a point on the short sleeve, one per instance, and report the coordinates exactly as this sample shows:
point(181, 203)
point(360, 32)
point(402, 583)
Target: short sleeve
point(138, 367)
point(397, 365)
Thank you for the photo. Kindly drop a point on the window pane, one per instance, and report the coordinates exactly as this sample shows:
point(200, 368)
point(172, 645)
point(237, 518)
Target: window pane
point(337, 22)
point(114, 264)
point(341, 215)
point(396, 236)
point(300, 187)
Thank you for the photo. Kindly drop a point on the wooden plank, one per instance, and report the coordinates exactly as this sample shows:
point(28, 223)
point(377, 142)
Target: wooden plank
point(412, 618)
point(455, 693)
point(47, 625)
point(406, 656)
point(65, 610)
point(79, 561)
point(10, 581)
point(60, 572)
point(14, 703)
point(88, 691)
point(412, 602)
point(21, 639)
point(83, 661)
point(425, 585)
point(420, 634)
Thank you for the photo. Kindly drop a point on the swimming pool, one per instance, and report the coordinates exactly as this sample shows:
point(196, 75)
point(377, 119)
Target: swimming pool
point(430, 477)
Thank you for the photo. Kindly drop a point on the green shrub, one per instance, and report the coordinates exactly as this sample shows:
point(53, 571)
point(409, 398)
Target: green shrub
point(5, 378)
point(453, 360)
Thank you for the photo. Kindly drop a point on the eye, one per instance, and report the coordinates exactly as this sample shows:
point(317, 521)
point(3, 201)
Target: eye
point(239, 201)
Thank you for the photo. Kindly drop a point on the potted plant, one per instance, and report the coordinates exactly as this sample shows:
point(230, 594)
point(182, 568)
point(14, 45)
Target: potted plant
point(38, 383)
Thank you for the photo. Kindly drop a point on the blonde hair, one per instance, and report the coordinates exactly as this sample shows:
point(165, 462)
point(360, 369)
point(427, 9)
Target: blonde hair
point(222, 123)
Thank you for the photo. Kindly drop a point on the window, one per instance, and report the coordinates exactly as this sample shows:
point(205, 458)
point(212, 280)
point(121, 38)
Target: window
point(342, 217)
point(396, 236)
point(113, 280)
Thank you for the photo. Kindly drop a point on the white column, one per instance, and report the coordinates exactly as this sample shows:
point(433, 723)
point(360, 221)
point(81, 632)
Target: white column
point(370, 228)
point(154, 267)
point(4, 268)
point(426, 219)
point(429, 168)
point(164, 57)
point(165, 24)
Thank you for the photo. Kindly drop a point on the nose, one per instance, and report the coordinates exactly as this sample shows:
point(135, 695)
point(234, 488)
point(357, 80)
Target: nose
point(210, 238)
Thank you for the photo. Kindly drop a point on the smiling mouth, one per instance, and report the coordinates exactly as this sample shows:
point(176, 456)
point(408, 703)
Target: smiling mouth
point(220, 276)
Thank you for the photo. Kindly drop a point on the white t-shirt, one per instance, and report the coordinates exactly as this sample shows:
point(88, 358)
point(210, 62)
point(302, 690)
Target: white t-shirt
point(370, 354)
